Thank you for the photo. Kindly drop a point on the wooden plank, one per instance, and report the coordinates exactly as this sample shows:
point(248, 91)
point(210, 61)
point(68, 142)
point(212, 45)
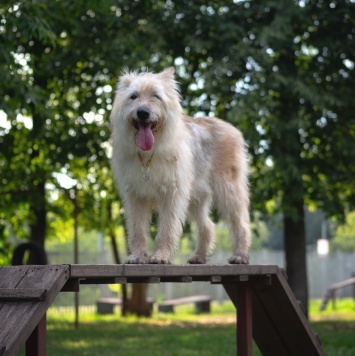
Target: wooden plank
point(21, 318)
point(11, 277)
point(18, 294)
point(184, 279)
point(299, 314)
point(119, 280)
point(97, 271)
point(284, 320)
point(264, 333)
point(115, 301)
point(342, 284)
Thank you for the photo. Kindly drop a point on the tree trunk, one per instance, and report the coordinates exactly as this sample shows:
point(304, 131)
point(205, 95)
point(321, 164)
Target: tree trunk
point(138, 303)
point(38, 227)
point(38, 208)
point(295, 253)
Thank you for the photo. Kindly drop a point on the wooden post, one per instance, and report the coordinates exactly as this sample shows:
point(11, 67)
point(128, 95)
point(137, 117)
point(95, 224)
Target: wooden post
point(244, 319)
point(241, 294)
point(36, 343)
point(76, 253)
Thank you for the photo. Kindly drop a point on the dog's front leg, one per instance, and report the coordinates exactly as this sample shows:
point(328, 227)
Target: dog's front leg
point(172, 212)
point(138, 215)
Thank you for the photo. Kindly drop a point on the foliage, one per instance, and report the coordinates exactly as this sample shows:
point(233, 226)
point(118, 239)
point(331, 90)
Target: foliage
point(58, 74)
point(344, 239)
point(280, 72)
point(265, 55)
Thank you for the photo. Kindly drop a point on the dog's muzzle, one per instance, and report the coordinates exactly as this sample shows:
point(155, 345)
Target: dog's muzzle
point(145, 126)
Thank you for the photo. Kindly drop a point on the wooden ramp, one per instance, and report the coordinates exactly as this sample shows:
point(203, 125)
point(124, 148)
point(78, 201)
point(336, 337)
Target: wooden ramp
point(26, 292)
point(267, 311)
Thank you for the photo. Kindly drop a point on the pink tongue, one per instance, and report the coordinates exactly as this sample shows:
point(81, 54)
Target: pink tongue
point(145, 138)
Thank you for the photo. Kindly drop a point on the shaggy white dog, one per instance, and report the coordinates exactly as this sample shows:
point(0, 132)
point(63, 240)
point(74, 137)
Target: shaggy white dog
point(178, 166)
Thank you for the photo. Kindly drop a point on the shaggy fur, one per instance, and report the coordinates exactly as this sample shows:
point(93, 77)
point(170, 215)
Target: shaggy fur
point(188, 163)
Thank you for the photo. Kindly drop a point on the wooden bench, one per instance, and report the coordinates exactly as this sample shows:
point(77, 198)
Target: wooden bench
point(202, 304)
point(106, 305)
point(332, 292)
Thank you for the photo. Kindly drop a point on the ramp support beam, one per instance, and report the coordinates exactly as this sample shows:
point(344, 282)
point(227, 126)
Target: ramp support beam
point(36, 343)
point(244, 319)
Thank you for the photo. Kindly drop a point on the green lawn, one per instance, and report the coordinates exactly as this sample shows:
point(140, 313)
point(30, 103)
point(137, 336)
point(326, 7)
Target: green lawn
point(183, 333)
point(336, 328)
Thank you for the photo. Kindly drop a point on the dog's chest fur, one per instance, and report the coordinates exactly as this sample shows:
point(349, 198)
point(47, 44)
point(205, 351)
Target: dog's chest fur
point(165, 173)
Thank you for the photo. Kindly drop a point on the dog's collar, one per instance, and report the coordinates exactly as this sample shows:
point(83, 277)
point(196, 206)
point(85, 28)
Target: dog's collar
point(145, 166)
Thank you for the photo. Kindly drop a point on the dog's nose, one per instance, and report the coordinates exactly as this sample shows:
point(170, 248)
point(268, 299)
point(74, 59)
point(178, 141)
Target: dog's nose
point(143, 114)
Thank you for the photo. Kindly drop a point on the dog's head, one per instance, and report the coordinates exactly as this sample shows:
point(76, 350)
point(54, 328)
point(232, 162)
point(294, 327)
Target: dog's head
point(144, 104)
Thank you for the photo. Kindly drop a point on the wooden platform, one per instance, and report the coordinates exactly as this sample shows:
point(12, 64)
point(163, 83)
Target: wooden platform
point(266, 308)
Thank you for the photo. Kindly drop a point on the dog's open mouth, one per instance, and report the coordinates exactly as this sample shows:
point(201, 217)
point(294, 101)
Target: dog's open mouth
point(145, 136)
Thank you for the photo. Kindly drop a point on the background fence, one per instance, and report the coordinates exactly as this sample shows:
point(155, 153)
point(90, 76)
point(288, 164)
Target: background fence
point(322, 271)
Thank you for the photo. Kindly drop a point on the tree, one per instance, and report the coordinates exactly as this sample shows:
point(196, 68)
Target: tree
point(60, 61)
point(59, 73)
point(275, 69)
point(280, 72)
point(45, 110)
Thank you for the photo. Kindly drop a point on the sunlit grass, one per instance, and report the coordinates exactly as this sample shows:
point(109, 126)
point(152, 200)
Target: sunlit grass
point(178, 334)
point(344, 310)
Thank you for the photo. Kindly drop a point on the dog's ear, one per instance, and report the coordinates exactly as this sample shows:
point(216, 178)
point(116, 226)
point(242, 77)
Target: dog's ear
point(125, 79)
point(168, 73)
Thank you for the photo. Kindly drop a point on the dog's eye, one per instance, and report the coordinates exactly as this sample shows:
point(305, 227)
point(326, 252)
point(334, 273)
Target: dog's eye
point(134, 96)
point(156, 96)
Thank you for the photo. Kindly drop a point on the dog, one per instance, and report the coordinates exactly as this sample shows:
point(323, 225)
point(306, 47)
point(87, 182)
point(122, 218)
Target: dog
point(178, 166)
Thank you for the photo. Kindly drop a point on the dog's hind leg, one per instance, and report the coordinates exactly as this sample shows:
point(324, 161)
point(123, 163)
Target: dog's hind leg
point(233, 205)
point(200, 213)
point(138, 215)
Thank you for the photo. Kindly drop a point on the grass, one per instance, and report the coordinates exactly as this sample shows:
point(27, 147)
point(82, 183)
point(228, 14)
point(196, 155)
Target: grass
point(182, 333)
point(336, 327)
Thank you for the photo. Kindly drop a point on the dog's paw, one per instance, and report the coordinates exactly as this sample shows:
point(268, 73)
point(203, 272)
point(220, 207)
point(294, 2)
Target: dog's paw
point(159, 259)
point(135, 260)
point(239, 259)
point(197, 260)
